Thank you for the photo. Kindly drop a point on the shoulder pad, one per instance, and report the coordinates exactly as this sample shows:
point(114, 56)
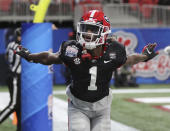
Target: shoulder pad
point(65, 44)
point(116, 44)
point(69, 42)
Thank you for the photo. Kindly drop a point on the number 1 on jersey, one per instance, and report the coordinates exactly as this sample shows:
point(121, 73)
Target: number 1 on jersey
point(93, 72)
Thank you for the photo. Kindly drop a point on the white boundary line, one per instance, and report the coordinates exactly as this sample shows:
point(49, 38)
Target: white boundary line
point(4, 101)
point(166, 106)
point(124, 91)
point(153, 99)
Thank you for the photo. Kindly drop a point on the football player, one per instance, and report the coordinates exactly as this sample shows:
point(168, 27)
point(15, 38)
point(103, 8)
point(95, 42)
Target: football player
point(13, 80)
point(91, 61)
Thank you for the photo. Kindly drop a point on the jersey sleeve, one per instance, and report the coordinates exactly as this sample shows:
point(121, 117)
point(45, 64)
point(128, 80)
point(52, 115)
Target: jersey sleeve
point(61, 50)
point(9, 46)
point(67, 52)
point(120, 54)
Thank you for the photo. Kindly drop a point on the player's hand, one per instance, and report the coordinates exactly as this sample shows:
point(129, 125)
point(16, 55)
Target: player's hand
point(23, 52)
point(148, 50)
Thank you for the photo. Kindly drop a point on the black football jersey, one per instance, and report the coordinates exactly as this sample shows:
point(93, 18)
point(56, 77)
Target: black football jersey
point(91, 78)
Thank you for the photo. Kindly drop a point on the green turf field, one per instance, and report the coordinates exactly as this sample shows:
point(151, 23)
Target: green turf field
point(138, 115)
point(7, 126)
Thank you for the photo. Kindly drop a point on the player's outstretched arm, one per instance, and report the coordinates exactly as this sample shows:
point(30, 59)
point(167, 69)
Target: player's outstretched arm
point(147, 54)
point(46, 58)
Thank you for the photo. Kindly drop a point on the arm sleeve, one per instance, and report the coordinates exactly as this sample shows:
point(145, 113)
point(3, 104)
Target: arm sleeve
point(61, 50)
point(62, 53)
point(120, 54)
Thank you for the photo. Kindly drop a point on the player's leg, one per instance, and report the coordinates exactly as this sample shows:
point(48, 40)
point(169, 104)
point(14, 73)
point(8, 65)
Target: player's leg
point(77, 120)
point(18, 103)
point(101, 122)
point(10, 84)
point(12, 105)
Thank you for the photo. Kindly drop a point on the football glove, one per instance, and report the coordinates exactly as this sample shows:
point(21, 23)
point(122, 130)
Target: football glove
point(148, 50)
point(23, 52)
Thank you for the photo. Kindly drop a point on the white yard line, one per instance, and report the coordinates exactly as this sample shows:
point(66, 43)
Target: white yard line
point(61, 92)
point(59, 115)
point(166, 106)
point(4, 101)
point(124, 91)
point(153, 99)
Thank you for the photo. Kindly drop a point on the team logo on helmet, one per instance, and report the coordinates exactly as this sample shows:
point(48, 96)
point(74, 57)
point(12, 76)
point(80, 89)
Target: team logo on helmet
point(107, 19)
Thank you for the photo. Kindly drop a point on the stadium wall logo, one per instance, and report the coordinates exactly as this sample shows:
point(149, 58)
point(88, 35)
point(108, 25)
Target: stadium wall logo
point(159, 67)
point(127, 39)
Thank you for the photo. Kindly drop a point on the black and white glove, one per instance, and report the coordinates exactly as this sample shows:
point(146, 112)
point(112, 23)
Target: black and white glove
point(23, 52)
point(148, 50)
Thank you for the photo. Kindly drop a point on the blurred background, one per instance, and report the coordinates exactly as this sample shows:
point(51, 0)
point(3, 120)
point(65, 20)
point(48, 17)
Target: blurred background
point(134, 23)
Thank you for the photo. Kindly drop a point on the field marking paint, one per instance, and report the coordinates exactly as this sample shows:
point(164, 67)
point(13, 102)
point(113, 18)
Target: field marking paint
point(152, 100)
point(61, 92)
point(124, 91)
point(4, 101)
point(166, 106)
point(59, 115)
point(163, 107)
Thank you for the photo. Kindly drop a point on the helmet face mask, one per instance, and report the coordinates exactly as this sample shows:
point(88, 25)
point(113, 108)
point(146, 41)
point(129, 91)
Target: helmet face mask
point(91, 32)
point(93, 28)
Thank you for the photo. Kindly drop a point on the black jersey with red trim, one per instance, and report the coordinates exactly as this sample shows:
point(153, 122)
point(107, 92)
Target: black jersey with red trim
point(91, 78)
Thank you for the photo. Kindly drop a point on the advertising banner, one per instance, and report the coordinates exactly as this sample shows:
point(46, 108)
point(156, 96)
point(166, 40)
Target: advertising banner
point(156, 70)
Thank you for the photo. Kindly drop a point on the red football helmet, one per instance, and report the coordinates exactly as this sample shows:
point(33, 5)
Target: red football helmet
point(93, 29)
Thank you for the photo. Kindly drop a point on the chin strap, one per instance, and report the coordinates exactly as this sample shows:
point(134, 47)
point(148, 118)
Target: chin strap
point(89, 45)
point(85, 55)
